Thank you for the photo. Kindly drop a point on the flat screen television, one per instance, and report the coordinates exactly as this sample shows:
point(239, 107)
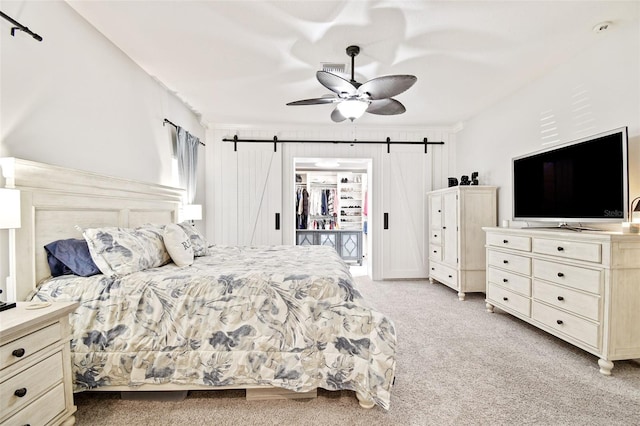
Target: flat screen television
point(583, 181)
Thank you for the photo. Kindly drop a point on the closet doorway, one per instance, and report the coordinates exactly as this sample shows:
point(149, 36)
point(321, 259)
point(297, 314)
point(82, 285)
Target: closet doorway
point(332, 207)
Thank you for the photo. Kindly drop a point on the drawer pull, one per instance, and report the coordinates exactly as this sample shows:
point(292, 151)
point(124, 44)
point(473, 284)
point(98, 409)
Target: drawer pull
point(560, 274)
point(433, 269)
point(444, 227)
point(435, 235)
point(560, 248)
point(20, 392)
point(559, 322)
point(435, 251)
point(18, 353)
point(504, 280)
point(560, 298)
point(505, 261)
point(450, 276)
point(505, 298)
point(505, 241)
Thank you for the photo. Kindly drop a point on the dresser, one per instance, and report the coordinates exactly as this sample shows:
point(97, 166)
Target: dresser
point(35, 365)
point(456, 238)
point(583, 287)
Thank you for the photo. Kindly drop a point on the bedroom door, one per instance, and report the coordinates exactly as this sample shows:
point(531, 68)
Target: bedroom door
point(259, 194)
point(405, 184)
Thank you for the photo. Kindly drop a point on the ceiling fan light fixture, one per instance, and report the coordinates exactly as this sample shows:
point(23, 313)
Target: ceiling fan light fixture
point(352, 108)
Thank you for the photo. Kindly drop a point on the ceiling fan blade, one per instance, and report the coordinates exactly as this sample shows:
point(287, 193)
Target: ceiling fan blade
point(386, 107)
point(336, 83)
point(315, 101)
point(336, 116)
point(387, 86)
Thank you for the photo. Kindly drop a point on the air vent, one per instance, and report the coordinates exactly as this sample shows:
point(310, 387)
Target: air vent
point(333, 67)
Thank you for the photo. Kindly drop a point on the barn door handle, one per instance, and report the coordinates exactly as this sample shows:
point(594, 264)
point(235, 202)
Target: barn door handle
point(277, 221)
point(386, 221)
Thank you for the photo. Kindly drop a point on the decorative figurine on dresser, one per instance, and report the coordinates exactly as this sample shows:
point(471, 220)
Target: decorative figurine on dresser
point(456, 239)
point(35, 365)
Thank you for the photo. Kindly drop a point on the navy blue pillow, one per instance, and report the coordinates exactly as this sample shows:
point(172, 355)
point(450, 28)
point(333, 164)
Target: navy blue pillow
point(70, 256)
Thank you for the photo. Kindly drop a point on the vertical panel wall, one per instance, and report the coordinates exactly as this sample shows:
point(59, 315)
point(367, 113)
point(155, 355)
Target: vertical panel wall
point(224, 173)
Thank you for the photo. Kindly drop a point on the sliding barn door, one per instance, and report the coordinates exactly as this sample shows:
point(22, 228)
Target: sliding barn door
point(259, 194)
point(404, 205)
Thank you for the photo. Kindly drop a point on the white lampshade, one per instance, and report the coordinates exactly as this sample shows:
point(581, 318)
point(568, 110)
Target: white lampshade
point(352, 108)
point(191, 212)
point(9, 208)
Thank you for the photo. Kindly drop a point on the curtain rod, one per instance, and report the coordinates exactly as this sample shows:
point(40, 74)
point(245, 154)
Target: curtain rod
point(20, 27)
point(275, 141)
point(176, 126)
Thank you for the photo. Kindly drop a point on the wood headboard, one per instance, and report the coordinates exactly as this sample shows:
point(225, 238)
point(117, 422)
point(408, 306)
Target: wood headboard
point(54, 200)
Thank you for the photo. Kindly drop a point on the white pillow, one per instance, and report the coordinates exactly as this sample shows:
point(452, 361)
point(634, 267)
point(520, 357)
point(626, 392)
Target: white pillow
point(178, 245)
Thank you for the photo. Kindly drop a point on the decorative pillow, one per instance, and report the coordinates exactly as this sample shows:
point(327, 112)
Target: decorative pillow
point(70, 256)
point(122, 251)
point(198, 241)
point(178, 245)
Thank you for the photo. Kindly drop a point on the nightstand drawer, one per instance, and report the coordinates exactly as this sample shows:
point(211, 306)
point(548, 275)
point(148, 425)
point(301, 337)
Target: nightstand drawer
point(510, 262)
point(514, 282)
point(507, 299)
point(43, 410)
point(30, 383)
point(515, 242)
point(590, 252)
point(584, 304)
point(20, 349)
point(571, 325)
point(572, 276)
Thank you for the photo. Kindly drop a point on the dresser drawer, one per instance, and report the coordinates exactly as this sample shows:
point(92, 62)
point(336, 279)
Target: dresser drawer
point(20, 349)
point(507, 299)
point(572, 276)
point(43, 410)
point(444, 274)
point(34, 381)
point(436, 236)
point(435, 252)
point(515, 242)
point(510, 262)
point(589, 252)
point(514, 282)
point(587, 305)
point(570, 325)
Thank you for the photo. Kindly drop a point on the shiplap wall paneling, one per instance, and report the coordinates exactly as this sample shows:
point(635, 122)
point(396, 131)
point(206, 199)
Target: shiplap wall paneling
point(422, 172)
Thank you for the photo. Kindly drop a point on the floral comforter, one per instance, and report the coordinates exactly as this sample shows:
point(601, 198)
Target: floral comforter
point(284, 316)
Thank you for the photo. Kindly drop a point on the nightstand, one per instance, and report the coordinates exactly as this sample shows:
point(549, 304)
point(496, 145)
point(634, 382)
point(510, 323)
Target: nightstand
point(35, 365)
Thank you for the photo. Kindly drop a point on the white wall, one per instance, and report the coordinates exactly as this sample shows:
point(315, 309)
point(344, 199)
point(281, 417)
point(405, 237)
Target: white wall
point(596, 90)
point(76, 100)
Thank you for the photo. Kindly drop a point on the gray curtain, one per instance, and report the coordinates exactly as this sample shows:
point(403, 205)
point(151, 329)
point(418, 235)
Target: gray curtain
point(187, 147)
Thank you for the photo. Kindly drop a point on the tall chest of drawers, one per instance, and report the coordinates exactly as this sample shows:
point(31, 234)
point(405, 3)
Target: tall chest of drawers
point(583, 287)
point(456, 240)
point(35, 365)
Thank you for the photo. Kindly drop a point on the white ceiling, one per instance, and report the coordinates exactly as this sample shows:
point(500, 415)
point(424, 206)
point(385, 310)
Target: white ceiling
point(240, 62)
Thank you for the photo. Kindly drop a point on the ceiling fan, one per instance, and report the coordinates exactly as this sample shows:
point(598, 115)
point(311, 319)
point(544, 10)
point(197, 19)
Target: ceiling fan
point(354, 99)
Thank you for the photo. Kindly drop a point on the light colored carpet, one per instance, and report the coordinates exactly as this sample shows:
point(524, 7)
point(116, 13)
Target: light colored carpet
point(457, 365)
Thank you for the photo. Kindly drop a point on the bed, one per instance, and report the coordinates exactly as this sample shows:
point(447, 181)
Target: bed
point(287, 319)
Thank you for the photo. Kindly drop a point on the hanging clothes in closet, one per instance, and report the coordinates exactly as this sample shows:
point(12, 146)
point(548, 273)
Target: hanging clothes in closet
point(302, 207)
